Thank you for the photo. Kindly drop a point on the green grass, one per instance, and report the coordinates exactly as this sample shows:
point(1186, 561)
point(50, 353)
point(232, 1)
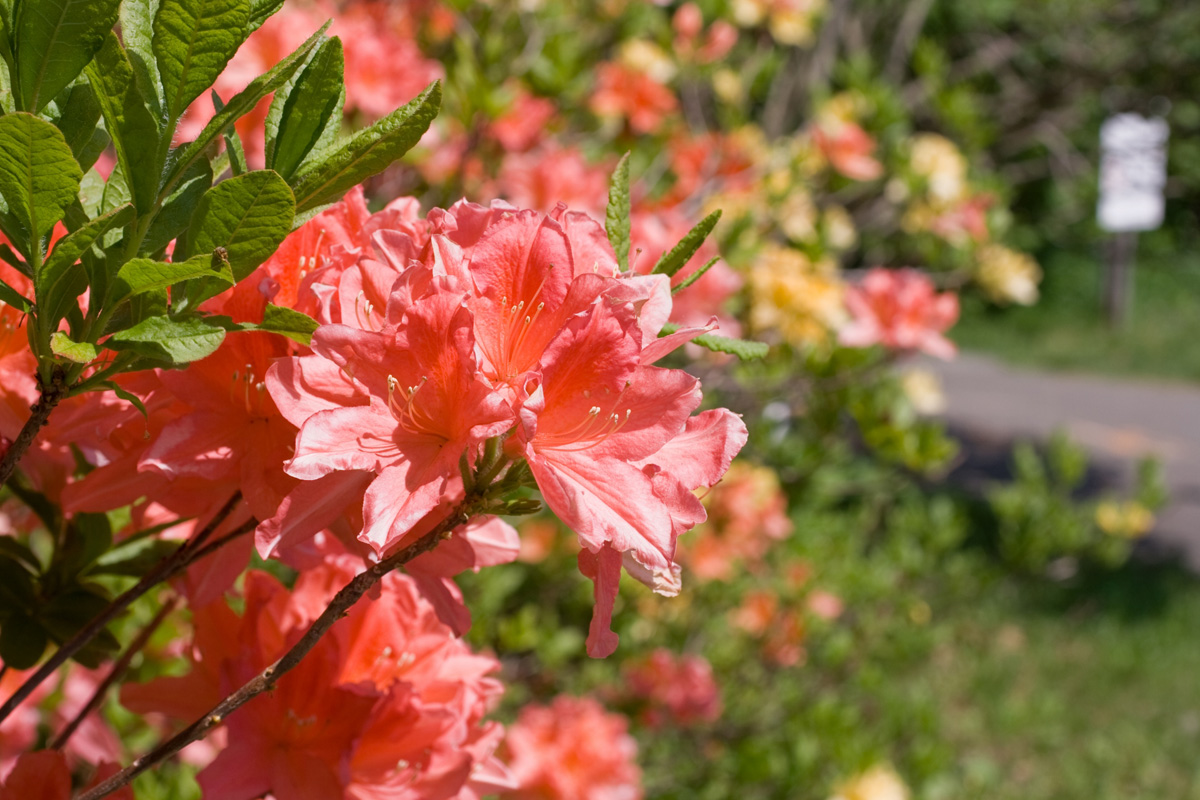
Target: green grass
point(1091, 696)
point(1066, 330)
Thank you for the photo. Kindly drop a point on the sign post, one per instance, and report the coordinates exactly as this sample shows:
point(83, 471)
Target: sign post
point(1133, 172)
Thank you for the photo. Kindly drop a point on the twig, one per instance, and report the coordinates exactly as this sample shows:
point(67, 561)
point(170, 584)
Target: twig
point(49, 397)
point(114, 675)
point(164, 570)
point(906, 37)
point(265, 680)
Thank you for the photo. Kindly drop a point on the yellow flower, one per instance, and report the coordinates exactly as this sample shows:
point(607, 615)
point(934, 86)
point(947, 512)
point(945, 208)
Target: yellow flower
point(797, 215)
point(877, 783)
point(840, 233)
point(923, 389)
point(937, 160)
point(728, 86)
point(646, 57)
point(799, 299)
point(1130, 519)
point(1007, 276)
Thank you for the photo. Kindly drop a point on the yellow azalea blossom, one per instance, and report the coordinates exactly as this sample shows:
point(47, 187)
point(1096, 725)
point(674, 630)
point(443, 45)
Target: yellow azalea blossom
point(1007, 276)
point(938, 161)
point(800, 300)
point(1130, 520)
point(877, 783)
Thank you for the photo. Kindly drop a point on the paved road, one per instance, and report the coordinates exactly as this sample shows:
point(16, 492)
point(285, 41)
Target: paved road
point(1118, 421)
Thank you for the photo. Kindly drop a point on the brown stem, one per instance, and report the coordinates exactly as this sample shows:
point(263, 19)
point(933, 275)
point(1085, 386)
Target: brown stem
point(164, 570)
point(265, 680)
point(114, 675)
point(50, 397)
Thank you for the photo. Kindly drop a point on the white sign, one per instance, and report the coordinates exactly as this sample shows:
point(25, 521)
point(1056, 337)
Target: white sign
point(1133, 172)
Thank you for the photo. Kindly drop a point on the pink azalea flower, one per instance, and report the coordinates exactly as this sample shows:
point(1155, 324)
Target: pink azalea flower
point(901, 310)
point(680, 690)
point(388, 705)
point(505, 315)
point(572, 750)
point(849, 149)
point(622, 91)
point(747, 513)
point(419, 404)
point(523, 124)
point(552, 174)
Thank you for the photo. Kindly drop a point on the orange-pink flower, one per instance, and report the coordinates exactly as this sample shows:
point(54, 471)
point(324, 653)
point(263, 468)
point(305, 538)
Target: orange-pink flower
point(678, 690)
point(390, 704)
point(849, 148)
point(901, 310)
point(622, 91)
point(572, 749)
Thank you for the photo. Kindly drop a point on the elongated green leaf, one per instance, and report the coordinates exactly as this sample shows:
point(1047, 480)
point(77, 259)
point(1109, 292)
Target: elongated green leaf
point(261, 11)
point(10, 296)
point(368, 153)
point(745, 350)
point(135, 560)
point(695, 276)
point(240, 104)
point(143, 275)
point(310, 106)
point(248, 216)
point(61, 280)
point(164, 339)
point(193, 41)
point(127, 117)
point(55, 39)
point(176, 213)
point(137, 34)
point(22, 641)
point(64, 347)
point(77, 120)
point(616, 216)
point(673, 260)
point(38, 175)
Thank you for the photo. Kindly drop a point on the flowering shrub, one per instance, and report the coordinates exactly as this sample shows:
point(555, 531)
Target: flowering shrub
point(255, 360)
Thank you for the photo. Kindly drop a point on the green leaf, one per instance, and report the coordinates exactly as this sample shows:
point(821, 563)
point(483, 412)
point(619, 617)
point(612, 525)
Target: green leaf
point(368, 153)
point(64, 346)
point(173, 341)
point(695, 276)
point(248, 216)
point(136, 560)
point(127, 396)
point(77, 120)
point(129, 121)
point(177, 210)
point(673, 260)
point(137, 34)
point(193, 41)
point(140, 275)
point(67, 613)
point(290, 323)
point(261, 11)
point(55, 39)
point(310, 107)
point(17, 589)
point(60, 280)
point(11, 547)
point(741, 348)
point(22, 641)
point(87, 537)
point(39, 177)
point(13, 298)
point(616, 217)
point(240, 104)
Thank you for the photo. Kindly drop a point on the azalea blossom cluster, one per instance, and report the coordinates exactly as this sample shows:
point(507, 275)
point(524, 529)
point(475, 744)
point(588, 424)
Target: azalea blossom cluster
point(474, 351)
point(389, 704)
